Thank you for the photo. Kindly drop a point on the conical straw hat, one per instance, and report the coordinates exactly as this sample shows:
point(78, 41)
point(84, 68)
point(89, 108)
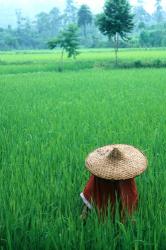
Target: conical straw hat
point(116, 162)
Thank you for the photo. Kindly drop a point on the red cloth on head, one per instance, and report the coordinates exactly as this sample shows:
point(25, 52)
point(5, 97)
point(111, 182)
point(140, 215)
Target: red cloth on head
point(101, 192)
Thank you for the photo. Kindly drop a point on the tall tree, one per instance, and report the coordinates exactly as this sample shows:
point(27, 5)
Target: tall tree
point(141, 17)
point(43, 24)
point(159, 11)
point(55, 21)
point(84, 17)
point(70, 13)
point(68, 41)
point(24, 33)
point(19, 20)
point(116, 21)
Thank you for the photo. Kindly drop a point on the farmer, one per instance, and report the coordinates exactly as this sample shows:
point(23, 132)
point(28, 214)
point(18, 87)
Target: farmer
point(113, 169)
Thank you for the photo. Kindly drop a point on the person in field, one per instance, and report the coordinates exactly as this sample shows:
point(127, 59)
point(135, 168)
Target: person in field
point(113, 169)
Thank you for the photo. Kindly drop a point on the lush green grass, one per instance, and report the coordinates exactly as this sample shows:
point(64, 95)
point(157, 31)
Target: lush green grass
point(48, 124)
point(104, 58)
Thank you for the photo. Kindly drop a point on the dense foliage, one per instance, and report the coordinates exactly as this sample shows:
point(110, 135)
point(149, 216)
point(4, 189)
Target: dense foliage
point(68, 41)
point(149, 29)
point(84, 18)
point(116, 21)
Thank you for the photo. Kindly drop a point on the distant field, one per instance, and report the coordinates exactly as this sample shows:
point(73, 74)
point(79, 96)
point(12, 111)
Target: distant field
point(37, 61)
point(49, 121)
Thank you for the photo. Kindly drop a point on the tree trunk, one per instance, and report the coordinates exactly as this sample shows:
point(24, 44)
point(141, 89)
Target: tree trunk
point(84, 29)
point(61, 68)
point(116, 40)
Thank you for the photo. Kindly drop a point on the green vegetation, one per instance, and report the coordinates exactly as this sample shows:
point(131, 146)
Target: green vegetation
point(149, 28)
point(84, 18)
point(116, 21)
point(39, 61)
point(50, 121)
point(68, 41)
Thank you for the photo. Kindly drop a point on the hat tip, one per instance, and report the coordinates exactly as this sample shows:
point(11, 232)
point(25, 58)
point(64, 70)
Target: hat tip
point(115, 154)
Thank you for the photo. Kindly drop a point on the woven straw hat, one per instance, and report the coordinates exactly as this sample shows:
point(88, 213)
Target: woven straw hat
point(116, 162)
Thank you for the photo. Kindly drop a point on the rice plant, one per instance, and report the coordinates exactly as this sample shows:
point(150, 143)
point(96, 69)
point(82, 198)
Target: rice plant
point(49, 122)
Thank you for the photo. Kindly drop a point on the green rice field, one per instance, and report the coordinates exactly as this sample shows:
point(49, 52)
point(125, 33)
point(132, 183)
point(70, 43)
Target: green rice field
point(50, 121)
point(48, 61)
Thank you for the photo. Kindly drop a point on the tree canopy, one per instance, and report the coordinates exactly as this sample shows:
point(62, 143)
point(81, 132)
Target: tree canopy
point(35, 33)
point(84, 17)
point(68, 40)
point(116, 20)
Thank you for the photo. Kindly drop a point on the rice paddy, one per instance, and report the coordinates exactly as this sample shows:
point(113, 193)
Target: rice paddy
point(50, 121)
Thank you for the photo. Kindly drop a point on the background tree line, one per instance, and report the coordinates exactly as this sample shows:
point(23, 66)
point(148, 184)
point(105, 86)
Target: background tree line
point(149, 29)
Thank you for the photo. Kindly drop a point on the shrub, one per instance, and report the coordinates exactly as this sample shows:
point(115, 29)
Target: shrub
point(138, 64)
